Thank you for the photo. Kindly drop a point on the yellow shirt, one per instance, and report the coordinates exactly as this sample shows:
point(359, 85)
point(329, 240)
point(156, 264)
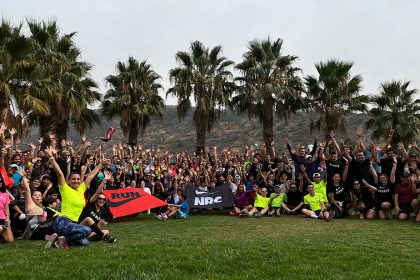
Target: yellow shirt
point(313, 201)
point(261, 201)
point(72, 201)
point(321, 188)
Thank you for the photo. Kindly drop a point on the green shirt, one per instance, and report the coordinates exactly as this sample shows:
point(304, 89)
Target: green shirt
point(276, 202)
point(321, 188)
point(261, 201)
point(72, 201)
point(313, 201)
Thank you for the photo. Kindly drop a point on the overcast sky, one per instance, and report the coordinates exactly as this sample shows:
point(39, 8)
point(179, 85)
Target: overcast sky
point(381, 37)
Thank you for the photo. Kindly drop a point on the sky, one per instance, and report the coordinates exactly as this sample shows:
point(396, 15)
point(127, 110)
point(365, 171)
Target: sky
point(380, 37)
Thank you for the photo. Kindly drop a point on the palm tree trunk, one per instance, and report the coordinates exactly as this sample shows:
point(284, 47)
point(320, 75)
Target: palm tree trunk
point(46, 125)
point(4, 106)
point(61, 130)
point(267, 122)
point(133, 133)
point(331, 122)
point(201, 138)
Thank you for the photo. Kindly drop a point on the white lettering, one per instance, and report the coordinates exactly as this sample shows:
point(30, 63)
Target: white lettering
point(207, 200)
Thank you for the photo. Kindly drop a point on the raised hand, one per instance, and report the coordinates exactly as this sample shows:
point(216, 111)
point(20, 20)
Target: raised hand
point(40, 140)
point(3, 127)
point(31, 145)
point(50, 151)
point(359, 132)
point(332, 134)
point(83, 138)
point(108, 175)
point(12, 131)
point(8, 143)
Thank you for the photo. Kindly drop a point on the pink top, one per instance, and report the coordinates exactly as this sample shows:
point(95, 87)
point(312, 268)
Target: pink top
point(4, 200)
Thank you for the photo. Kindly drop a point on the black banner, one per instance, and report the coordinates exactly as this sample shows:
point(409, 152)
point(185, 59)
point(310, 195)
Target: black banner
point(220, 197)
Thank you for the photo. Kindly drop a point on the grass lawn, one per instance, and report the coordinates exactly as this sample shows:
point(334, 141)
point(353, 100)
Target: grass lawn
point(223, 247)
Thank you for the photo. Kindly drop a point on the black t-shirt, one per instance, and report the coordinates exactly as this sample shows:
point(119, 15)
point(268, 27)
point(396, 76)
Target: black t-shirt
point(339, 192)
point(91, 211)
point(360, 170)
point(384, 193)
point(334, 167)
point(386, 167)
point(294, 198)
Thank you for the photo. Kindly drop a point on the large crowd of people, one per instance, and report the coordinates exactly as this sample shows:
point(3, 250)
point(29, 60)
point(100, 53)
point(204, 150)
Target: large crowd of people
point(54, 191)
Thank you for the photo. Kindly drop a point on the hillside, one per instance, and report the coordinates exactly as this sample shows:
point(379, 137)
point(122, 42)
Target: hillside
point(232, 129)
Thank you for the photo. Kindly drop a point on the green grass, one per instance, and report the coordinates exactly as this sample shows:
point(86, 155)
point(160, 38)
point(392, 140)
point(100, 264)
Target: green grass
point(223, 247)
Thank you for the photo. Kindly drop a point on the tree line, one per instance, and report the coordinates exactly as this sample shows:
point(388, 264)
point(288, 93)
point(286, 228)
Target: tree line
point(44, 81)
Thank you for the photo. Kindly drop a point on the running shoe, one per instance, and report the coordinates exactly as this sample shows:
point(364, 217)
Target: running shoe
point(61, 243)
point(159, 217)
point(164, 216)
point(50, 243)
point(109, 239)
point(232, 214)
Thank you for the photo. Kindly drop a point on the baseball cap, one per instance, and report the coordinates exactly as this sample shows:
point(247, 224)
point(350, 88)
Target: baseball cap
point(277, 186)
point(308, 157)
point(317, 175)
point(14, 166)
point(405, 174)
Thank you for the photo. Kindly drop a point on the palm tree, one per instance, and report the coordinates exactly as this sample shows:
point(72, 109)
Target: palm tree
point(395, 108)
point(15, 78)
point(134, 96)
point(268, 83)
point(203, 76)
point(63, 82)
point(334, 94)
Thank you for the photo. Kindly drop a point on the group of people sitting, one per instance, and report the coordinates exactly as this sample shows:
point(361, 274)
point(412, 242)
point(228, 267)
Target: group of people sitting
point(54, 191)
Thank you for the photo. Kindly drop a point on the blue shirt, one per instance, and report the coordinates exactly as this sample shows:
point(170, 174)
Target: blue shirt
point(184, 207)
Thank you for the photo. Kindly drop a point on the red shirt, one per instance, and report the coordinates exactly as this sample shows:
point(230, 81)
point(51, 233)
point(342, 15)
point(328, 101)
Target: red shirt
point(405, 194)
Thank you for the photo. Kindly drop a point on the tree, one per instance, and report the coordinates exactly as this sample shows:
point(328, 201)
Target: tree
point(62, 81)
point(395, 108)
point(16, 72)
point(134, 96)
point(334, 94)
point(203, 75)
point(268, 83)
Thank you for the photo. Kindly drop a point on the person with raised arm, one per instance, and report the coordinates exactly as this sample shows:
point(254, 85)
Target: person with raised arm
point(73, 201)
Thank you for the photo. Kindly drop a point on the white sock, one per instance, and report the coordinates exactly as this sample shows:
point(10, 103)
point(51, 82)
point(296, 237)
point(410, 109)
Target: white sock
point(314, 216)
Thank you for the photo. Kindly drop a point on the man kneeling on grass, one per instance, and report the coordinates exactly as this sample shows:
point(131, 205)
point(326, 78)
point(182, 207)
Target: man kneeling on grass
point(178, 211)
point(315, 207)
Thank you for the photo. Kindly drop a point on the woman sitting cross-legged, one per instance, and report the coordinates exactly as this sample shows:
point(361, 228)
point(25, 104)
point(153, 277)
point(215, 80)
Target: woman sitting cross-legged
point(315, 207)
point(95, 211)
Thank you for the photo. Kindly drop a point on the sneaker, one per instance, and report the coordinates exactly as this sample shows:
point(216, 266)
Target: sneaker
point(61, 243)
point(159, 217)
point(278, 212)
point(271, 212)
point(232, 214)
point(50, 243)
point(246, 212)
point(164, 216)
point(258, 215)
point(331, 216)
point(109, 239)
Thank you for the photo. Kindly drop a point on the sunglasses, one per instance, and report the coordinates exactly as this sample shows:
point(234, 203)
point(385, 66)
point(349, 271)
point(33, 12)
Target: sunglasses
point(101, 199)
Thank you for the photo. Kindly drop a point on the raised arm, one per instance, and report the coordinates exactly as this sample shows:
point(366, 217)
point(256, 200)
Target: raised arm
point(50, 151)
point(101, 187)
point(93, 173)
point(394, 168)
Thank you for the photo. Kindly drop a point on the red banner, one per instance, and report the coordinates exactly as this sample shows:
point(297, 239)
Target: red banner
point(129, 201)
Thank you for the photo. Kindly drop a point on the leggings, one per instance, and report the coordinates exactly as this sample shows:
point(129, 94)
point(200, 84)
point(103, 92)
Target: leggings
point(74, 233)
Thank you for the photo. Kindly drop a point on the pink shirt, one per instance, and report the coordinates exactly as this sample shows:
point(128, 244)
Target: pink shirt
point(4, 200)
